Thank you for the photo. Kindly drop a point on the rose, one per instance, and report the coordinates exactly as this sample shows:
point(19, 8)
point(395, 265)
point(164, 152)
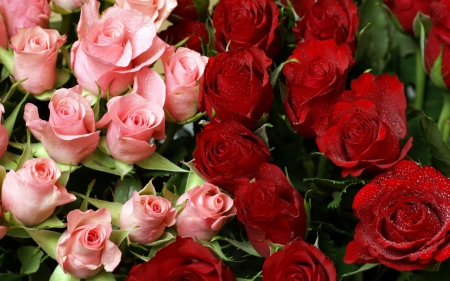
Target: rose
point(4, 136)
point(363, 123)
point(26, 13)
point(205, 213)
point(32, 193)
point(406, 11)
point(151, 213)
point(404, 219)
point(157, 10)
point(131, 122)
point(69, 5)
point(3, 229)
point(187, 9)
point(69, 136)
point(247, 23)
point(329, 19)
point(195, 30)
point(299, 261)
point(270, 209)
point(84, 248)
point(110, 51)
point(236, 86)
point(228, 151)
point(183, 71)
point(314, 82)
point(300, 6)
point(35, 54)
point(3, 34)
point(183, 259)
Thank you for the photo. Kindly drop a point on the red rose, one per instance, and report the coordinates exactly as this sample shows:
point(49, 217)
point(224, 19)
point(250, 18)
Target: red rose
point(183, 259)
point(404, 219)
point(228, 151)
point(185, 28)
point(300, 6)
point(314, 83)
point(236, 86)
point(299, 261)
point(186, 9)
point(270, 209)
point(243, 24)
point(329, 19)
point(366, 125)
point(406, 11)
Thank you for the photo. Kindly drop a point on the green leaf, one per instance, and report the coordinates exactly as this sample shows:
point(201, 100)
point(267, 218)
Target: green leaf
point(261, 132)
point(192, 119)
point(51, 222)
point(113, 207)
point(46, 239)
point(436, 71)
point(62, 77)
point(31, 258)
point(11, 120)
point(158, 162)
point(327, 185)
point(210, 52)
point(102, 276)
point(202, 8)
point(59, 275)
point(7, 59)
point(124, 188)
point(439, 150)
point(365, 267)
point(182, 42)
point(421, 21)
point(149, 189)
point(420, 150)
point(244, 246)
point(100, 161)
point(326, 245)
point(26, 154)
point(117, 236)
point(10, 276)
point(215, 246)
point(274, 75)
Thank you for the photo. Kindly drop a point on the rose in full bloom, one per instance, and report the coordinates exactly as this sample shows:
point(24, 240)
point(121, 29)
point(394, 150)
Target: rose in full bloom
point(404, 219)
point(228, 151)
point(69, 136)
point(300, 6)
point(270, 209)
point(84, 248)
point(236, 86)
point(25, 13)
point(314, 83)
point(69, 5)
point(329, 19)
point(365, 126)
point(186, 9)
point(242, 24)
point(32, 193)
point(406, 11)
point(195, 30)
point(152, 214)
point(206, 211)
point(35, 54)
point(183, 259)
point(4, 138)
point(131, 122)
point(299, 261)
point(183, 72)
point(113, 48)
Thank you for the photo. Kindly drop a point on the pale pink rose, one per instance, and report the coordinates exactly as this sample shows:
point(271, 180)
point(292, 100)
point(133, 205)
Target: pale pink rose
point(69, 5)
point(3, 229)
point(183, 72)
point(32, 193)
point(3, 35)
point(152, 214)
point(25, 13)
point(84, 248)
point(157, 10)
point(69, 136)
point(3, 134)
point(35, 54)
point(112, 48)
point(205, 213)
point(131, 122)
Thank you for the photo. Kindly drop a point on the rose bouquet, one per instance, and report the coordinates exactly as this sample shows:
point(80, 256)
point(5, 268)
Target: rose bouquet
point(232, 140)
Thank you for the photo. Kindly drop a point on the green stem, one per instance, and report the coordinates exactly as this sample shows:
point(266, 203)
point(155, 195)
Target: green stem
point(444, 118)
point(170, 133)
point(322, 167)
point(420, 81)
point(66, 23)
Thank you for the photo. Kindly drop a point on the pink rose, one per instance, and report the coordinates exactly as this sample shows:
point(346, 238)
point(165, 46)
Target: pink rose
point(25, 13)
point(112, 49)
point(69, 136)
point(157, 10)
point(3, 134)
point(3, 229)
point(84, 248)
point(35, 54)
point(3, 35)
point(32, 193)
point(131, 122)
point(151, 213)
point(69, 5)
point(205, 213)
point(183, 70)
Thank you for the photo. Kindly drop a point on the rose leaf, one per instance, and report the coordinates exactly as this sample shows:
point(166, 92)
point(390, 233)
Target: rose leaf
point(31, 258)
point(59, 275)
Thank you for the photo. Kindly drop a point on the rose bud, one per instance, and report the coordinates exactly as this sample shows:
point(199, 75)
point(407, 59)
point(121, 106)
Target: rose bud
point(299, 261)
point(183, 71)
point(35, 54)
point(236, 86)
point(84, 248)
point(32, 193)
point(406, 11)
point(25, 13)
point(363, 123)
point(69, 136)
point(186, 28)
point(3, 134)
point(183, 259)
point(69, 5)
point(404, 219)
point(206, 211)
point(152, 214)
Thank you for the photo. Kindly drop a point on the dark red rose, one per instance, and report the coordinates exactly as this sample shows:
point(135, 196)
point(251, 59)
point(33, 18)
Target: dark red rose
point(365, 126)
point(406, 11)
point(182, 30)
point(236, 86)
point(314, 83)
point(299, 261)
point(243, 24)
point(228, 151)
point(300, 6)
point(186, 9)
point(183, 259)
point(270, 209)
point(329, 19)
point(404, 219)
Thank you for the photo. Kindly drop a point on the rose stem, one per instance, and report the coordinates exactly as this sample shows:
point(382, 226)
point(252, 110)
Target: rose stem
point(66, 23)
point(171, 129)
point(443, 122)
point(322, 167)
point(420, 80)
